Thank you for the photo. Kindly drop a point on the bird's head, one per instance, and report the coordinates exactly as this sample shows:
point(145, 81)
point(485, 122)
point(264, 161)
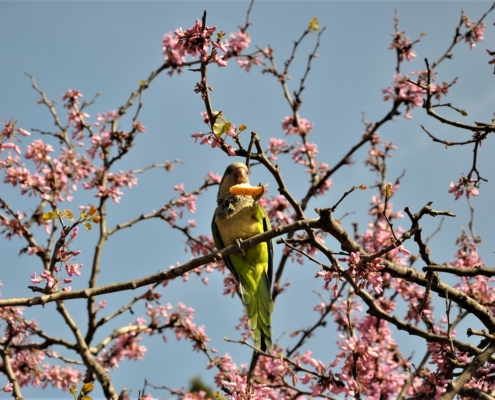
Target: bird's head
point(235, 174)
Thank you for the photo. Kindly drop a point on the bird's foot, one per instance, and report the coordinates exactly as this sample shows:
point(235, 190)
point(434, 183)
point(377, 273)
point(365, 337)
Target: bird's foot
point(238, 243)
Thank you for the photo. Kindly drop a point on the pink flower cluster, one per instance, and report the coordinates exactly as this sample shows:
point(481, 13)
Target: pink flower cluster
point(13, 226)
point(179, 320)
point(114, 182)
point(241, 390)
point(404, 92)
point(371, 364)
point(71, 98)
point(479, 287)
point(475, 31)
point(321, 171)
point(173, 211)
point(175, 55)
point(374, 239)
point(403, 46)
point(56, 178)
point(65, 257)
point(378, 154)
point(105, 138)
point(8, 136)
point(464, 184)
point(28, 363)
point(270, 377)
point(237, 43)
point(304, 152)
point(276, 147)
point(291, 127)
point(125, 346)
point(379, 235)
point(198, 40)
point(365, 273)
point(76, 117)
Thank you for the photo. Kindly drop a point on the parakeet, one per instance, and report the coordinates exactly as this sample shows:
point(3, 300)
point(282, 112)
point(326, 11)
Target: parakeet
point(241, 217)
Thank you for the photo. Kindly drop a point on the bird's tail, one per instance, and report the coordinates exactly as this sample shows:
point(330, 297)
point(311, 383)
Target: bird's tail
point(259, 308)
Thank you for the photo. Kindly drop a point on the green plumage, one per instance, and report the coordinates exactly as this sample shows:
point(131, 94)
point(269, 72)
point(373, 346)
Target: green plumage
point(241, 217)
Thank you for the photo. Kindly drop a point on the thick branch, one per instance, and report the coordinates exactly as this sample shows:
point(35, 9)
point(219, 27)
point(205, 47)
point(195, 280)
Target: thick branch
point(164, 275)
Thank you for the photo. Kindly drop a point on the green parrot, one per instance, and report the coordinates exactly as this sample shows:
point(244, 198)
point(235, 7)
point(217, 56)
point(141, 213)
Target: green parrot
point(241, 217)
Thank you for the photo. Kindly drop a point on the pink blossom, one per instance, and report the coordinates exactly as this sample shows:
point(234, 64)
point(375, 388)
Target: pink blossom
point(304, 127)
point(72, 97)
point(35, 279)
point(13, 226)
point(464, 183)
point(179, 188)
point(73, 235)
point(206, 118)
point(73, 269)
point(139, 127)
point(404, 92)
point(221, 62)
point(231, 151)
point(32, 250)
point(103, 119)
point(196, 39)
point(8, 145)
point(303, 152)
point(9, 387)
point(175, 55)
point(238, 42)
point(277, 146)
point(403, 46)
point(23, 132)
point(38, 152)
point(475, 34)
point(220, 45)
point(47, 276)
point(197, 136)
point(232, 131)
point(365, 273)
point(247, 63)
point(214, 178)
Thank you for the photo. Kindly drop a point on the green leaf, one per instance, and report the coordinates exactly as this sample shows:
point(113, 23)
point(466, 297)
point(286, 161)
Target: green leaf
point(87, 387)
point(68, 214)
point(49, 215)
point(313, 25)
point(88, 226)
point(221, 125)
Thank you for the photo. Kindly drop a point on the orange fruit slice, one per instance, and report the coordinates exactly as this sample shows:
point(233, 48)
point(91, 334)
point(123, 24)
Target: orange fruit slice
point(245, 189)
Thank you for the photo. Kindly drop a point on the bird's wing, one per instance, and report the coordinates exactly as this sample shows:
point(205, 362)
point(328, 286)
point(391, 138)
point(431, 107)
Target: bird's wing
point(219, 243)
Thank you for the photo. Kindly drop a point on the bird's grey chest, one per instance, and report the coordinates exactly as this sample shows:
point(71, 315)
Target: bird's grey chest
point(236, 223)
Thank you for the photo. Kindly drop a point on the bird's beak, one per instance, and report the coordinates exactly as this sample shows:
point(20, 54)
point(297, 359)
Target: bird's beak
point(240, 175)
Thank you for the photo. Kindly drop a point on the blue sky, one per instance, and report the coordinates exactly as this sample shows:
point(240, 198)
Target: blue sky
point(108, 47)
